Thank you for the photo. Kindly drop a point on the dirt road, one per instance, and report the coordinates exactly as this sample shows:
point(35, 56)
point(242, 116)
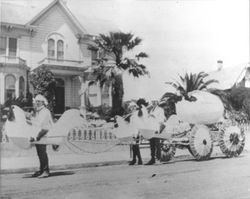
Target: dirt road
point(180, 179)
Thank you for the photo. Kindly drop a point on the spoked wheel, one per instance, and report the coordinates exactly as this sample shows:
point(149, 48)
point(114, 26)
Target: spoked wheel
point(232, 141)
point(200, 141)
point(167, 152)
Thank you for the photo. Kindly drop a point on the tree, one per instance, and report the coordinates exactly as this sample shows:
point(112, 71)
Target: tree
point(191, 82)
point(115, 45)
point(187, 83)
point(236, 101)
point(44, 83)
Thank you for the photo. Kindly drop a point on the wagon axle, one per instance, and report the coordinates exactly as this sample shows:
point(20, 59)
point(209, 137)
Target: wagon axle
point(200, 141)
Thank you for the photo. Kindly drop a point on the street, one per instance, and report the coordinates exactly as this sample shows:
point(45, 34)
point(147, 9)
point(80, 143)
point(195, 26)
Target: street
point(181, 178)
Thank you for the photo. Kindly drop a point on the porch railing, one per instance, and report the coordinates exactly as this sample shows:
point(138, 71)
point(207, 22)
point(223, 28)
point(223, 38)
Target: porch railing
point(60, 62)
point(12, 60)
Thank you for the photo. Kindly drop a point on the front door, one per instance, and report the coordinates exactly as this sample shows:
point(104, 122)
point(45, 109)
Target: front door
point(59, 97)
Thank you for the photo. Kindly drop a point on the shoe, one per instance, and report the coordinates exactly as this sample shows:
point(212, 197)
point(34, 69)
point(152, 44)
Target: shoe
point(36, 174)
point(140, 163)
point(55, 147)
point(151, 162)
point(132, 162)
point(45, 174)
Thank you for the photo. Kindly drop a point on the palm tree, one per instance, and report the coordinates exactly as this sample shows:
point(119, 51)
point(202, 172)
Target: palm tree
point(116, 44)
point(187, 83)
point(191, 82)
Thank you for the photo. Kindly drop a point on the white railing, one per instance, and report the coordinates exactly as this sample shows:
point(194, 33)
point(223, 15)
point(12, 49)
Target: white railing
point(60, 62)
point(12, 60)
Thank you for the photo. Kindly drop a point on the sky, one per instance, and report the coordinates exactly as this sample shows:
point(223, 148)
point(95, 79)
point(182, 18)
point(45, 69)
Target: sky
point(178, 35)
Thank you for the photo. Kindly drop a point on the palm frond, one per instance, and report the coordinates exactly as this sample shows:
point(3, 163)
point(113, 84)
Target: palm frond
point(141, 55)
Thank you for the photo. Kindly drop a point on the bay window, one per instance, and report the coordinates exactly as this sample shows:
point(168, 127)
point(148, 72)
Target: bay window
point(10, 82)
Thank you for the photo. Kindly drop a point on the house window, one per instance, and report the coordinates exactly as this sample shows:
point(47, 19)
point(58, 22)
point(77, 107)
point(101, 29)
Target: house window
point(8, 46)
point(12, 47)
point(56, 46)
point(10, 82)
point(3, 45)
point(21, 87)
point(51, 48)
point(60, 50)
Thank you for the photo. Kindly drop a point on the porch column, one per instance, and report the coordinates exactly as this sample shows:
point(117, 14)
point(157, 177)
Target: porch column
point(110, 95)
point(2, 91)
point(17, 86)
point(99, 94)
point(82, 91)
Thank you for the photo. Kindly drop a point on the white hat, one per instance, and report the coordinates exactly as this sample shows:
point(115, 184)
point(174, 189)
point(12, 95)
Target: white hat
point(41, 98)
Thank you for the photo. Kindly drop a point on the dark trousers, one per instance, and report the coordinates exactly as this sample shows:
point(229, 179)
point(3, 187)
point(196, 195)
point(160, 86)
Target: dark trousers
point(43, 157)
point(155, 148)
point(136, 153)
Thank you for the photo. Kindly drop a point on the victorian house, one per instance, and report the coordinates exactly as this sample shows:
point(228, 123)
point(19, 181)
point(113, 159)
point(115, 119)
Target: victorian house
point(54, 38)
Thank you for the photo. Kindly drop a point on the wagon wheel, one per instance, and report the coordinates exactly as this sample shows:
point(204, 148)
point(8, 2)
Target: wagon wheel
point(167, 152)
point(200, 142)
point(232, 141)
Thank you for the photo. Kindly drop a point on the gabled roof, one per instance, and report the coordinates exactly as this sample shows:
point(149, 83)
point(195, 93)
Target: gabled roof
point(66, 11)
point(228, 77)
point(26, 14)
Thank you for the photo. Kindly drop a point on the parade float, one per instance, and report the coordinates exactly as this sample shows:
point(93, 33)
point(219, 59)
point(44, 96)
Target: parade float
point(199, 125)
point(72, 129)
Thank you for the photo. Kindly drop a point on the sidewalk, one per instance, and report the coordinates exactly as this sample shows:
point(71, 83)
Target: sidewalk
point(24, 163)
point(27, 161)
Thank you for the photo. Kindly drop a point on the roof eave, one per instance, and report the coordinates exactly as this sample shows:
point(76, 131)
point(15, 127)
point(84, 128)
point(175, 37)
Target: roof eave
point(20, 26)
point(67, 11)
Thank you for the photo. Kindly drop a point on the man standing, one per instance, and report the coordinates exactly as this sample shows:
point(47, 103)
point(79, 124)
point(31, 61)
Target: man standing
point(161, 114)
point(155, 143)
point(42, 118)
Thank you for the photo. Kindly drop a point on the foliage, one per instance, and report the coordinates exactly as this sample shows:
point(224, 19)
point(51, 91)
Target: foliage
point(237, 116)
point(236, 102)
point(240, 97)
point(187, 83)
point(191, 82)
point(167, 102)
point(225, 96)
point(103, 111)
point(116, 44)
point(44, 83)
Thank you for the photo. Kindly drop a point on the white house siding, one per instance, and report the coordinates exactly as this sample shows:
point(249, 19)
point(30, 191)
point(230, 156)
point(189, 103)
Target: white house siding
point(34, 49)
point(86, 53)
point(55, 21)
point(2, 88)
point(24, 50)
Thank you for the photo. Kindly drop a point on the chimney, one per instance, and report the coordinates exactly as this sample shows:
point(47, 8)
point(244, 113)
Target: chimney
point(219, 65)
